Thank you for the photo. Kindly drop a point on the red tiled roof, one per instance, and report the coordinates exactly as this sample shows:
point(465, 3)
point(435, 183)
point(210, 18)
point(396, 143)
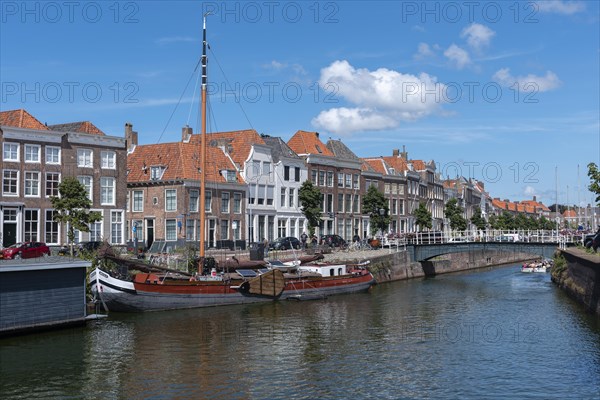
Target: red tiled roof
point(304, 142)
point(377, 164)
point(21, 119)
point(569, 214)
point(536, 205)
point(181, 160)
point(239, 143)
point(418, 165)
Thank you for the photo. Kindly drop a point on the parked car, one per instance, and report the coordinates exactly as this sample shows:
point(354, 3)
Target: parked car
point(333, 240)
point(285, 243)
point(26, 250)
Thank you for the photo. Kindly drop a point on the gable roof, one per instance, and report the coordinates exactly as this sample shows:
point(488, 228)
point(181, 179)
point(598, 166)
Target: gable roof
point(21, 119)
point(341, 151)
point(304, 142)
point(180, 160)
point(279, 148)
point(236, 143)
point(81, 127)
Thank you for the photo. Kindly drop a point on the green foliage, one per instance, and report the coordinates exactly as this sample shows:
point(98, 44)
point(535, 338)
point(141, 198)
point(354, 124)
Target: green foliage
point(72, 207)
point(478, 220)
point(454, 213)
point(374, 201)
point(310, 199)
point(545, 223)
point(594, 186)
point(423, 217)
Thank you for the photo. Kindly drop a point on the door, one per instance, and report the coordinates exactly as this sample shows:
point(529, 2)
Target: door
point(212, 223)
point(10, 234)
point(149, 233)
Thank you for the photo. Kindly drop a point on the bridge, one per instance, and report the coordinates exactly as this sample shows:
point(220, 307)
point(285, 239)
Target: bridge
point(424, 252)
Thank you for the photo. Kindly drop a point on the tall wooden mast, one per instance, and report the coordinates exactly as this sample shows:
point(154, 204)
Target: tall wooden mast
point(203, 142)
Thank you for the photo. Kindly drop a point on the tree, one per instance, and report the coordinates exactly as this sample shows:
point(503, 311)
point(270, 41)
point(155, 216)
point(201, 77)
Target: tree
point(545, 224)
point(310, 199)
point(373, 202)
point(423, 217)
point(478, 220)
point(594, 186)
point(72, 207)
point(454, 213)
point(506, 221)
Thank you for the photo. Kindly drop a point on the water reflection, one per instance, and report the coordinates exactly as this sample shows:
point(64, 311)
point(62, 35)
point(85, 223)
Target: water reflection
point(485, 334)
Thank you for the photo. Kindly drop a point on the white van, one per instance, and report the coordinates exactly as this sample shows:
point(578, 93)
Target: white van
point(510, 237)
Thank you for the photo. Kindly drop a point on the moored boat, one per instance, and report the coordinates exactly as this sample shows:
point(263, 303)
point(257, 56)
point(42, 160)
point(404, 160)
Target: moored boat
point(537, 266)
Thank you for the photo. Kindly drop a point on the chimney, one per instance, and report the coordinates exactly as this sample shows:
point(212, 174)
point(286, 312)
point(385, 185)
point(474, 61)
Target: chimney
point(317, 134)
point(404, 154)
point(396, 152)
point(186, 134)
point(534, 198)
point(131, 137)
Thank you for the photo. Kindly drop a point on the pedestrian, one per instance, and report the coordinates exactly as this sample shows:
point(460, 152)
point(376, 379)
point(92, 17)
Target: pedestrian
point(303, 239)
point(266, 247)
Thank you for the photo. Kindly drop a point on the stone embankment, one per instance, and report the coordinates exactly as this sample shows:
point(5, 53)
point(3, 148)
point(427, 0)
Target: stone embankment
point(579, 277)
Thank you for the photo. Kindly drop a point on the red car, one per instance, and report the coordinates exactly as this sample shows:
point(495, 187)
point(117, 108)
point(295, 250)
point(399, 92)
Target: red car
point(26, 250)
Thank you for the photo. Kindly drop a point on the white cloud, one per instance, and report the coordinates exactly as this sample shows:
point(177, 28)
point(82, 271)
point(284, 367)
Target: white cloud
point(280, 66)
point(529, 191)
point(174, 39)
point(457, 56)
point(478, 36)
point(560, 7)
point(383, 98)
point(423, 51)
point(529, 83)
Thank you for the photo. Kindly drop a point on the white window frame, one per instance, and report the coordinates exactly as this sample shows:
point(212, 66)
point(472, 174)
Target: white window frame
point(11, 194)
point(167, 206)
point(50, 152)
point(168, 226)
point(85, 158)
point(107, 191)
point(108, 159)
point(90, 188)
point(225, 202)
point(31, 235)
point(33, 188)
point(237, 202)
point(16, 151)
point(133, 202)
point(47, 181)
point(54, 225)
point(116, 223)
point(37, 153)
point(194, 196)
point(99, 223)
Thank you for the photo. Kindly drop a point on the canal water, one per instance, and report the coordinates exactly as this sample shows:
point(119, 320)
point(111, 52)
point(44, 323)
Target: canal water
point(489, 334)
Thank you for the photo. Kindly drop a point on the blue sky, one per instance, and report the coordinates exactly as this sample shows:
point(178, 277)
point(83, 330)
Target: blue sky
point(505, 92)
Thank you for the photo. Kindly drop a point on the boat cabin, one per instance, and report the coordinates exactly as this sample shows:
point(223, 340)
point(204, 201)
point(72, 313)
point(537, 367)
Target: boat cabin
point(325, 270)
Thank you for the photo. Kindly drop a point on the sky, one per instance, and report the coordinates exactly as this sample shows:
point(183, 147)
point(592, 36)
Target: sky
point(504, 92)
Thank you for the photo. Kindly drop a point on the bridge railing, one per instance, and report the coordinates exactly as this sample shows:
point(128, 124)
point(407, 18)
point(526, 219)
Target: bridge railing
point(471, 236)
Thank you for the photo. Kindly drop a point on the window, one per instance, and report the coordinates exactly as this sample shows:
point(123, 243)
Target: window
point(282, 198)
point(51, 228)
point(86, 181)
point(291, 199)
point(11, 152)
point(236, 229)
point(340, 202)
point(394, 207)
point(52, 155)
point(356, 204)
point(84, 158)
point(171, 229)
point(348, 180)
point(329, 203)
point(52, 182)
point(313, 177)
point(108, 160)
point(225, 202)
point(194, 197)
point(116, 227)
point(281, 228)
point(260, 195)
point(321, 178)
point(138, 201)
point(297, 174)
point(237, 203)
point(107, 191)
point(32, 153)
point(32, 184)
point(170, 200)
point(10, 183)
point(96, 231)
point(386, 188)
point(340, 181)
point(348, 203)
point(270, 195)
point(255, 168)
point(329, 178)
point(224, 229)
point(286, 173)
point(31, 225)
point(293, 228)
point(189, 229)
point(156, 173)
point(356, 181)
point(207, 200)
point(266, 168)
point(251, 194)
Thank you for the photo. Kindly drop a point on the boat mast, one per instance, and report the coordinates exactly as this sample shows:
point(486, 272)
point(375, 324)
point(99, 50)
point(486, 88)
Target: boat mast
point(203, 142)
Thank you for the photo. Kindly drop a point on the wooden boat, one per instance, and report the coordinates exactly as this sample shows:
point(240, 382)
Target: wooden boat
point(320, 280)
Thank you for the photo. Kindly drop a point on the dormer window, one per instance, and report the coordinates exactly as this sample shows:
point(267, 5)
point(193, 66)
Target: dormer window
point(229, 175)
point(156, 172)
